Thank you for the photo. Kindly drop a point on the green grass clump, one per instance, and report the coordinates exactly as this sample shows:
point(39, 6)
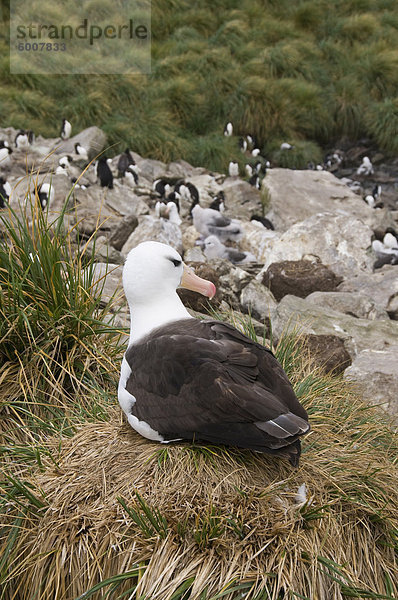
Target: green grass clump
point(299, 156)
point(383, 122)
point(53, 337)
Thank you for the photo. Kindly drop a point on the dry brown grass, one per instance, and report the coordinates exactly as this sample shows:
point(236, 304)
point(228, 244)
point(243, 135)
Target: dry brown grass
point(231, 515)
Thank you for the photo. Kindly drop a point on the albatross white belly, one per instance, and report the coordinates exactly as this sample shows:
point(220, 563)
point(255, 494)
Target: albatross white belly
point(127, 401)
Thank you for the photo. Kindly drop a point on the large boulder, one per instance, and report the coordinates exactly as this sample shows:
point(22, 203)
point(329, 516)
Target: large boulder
point(109, 211)
point(109, 278)
point(102, 251)
point(376, 374)
point(194, 254)
point(351, 303)
point(61, 187)
point(123, 201)
point(297, 195)
point(93, 214)
point(257, 300)
point(242, 200)
point(339, 242)
point(93, 139)
point(296, 314)
point(183, 170)
point(300, 278)
point(381, 286)
point(158, 230)
point(149, 169)
point(258, 240)
point(125, 227)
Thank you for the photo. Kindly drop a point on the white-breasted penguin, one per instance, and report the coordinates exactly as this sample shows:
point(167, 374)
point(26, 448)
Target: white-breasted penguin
point(81, 151)
point(66, 129)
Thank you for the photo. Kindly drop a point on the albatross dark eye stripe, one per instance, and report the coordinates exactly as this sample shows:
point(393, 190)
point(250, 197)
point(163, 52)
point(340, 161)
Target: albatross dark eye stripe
point(175, 262)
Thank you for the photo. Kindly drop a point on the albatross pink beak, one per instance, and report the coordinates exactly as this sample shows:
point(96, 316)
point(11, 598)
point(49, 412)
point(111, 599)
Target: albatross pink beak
point(190, 281)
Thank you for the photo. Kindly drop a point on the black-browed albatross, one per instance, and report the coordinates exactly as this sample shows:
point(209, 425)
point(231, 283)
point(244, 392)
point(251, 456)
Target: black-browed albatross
point(204, 381)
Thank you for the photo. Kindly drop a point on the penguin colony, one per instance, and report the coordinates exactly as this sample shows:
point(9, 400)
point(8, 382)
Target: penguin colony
point(219, 234)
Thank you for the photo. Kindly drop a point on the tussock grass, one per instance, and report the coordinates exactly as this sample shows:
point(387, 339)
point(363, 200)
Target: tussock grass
point(55, 349)
point(112, 513)
point(313, 71)
point(299, 156)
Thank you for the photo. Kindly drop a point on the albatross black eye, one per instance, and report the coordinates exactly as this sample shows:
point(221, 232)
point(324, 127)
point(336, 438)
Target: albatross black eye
point(175, 262)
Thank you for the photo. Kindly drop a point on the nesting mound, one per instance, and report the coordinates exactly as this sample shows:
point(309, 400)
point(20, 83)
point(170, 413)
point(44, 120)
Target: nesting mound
point(201, 518)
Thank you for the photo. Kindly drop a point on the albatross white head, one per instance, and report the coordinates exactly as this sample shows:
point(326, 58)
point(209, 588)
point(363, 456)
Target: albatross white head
point(151, 275)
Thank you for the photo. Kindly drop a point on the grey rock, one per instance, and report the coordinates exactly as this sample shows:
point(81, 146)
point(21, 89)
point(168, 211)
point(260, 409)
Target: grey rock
point(183, 170)
point(381, 286)
point(123, 201)
point(93, 139)
point(103, 252)
point(258, 240)
point(242, 200)
point(149, 169)
point(294, 314)
point(341, 243)
point(235, 278)
point(159, 230)
point(350, 303)
point(297, 195)
point(104, 209)
point(194, 255)
point(189, 236)
point(257, 300)
point(123, 230)
point(92, 214)
point(109, 278)
point(376, 374)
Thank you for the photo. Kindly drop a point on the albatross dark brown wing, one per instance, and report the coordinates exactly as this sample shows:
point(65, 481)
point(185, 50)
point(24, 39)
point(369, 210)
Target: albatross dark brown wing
point(206, 381)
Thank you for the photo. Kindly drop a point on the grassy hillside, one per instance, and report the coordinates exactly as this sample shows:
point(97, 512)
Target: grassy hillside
point(308, 72)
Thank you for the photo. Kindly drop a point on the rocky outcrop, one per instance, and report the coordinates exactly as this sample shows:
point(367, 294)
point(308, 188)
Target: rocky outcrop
point(297, 195)
point(341, 243)
point(102, 251)
point(123, 230)
point(354, 304)
point(381, 286)
point(258, 240)
point(152, 228)
point(296, 314)
point(109, 277)
point(257, 300)
point(376, 375)
point(320, 250)
point(93, 139)
point(242, 200)
point(300, 278)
